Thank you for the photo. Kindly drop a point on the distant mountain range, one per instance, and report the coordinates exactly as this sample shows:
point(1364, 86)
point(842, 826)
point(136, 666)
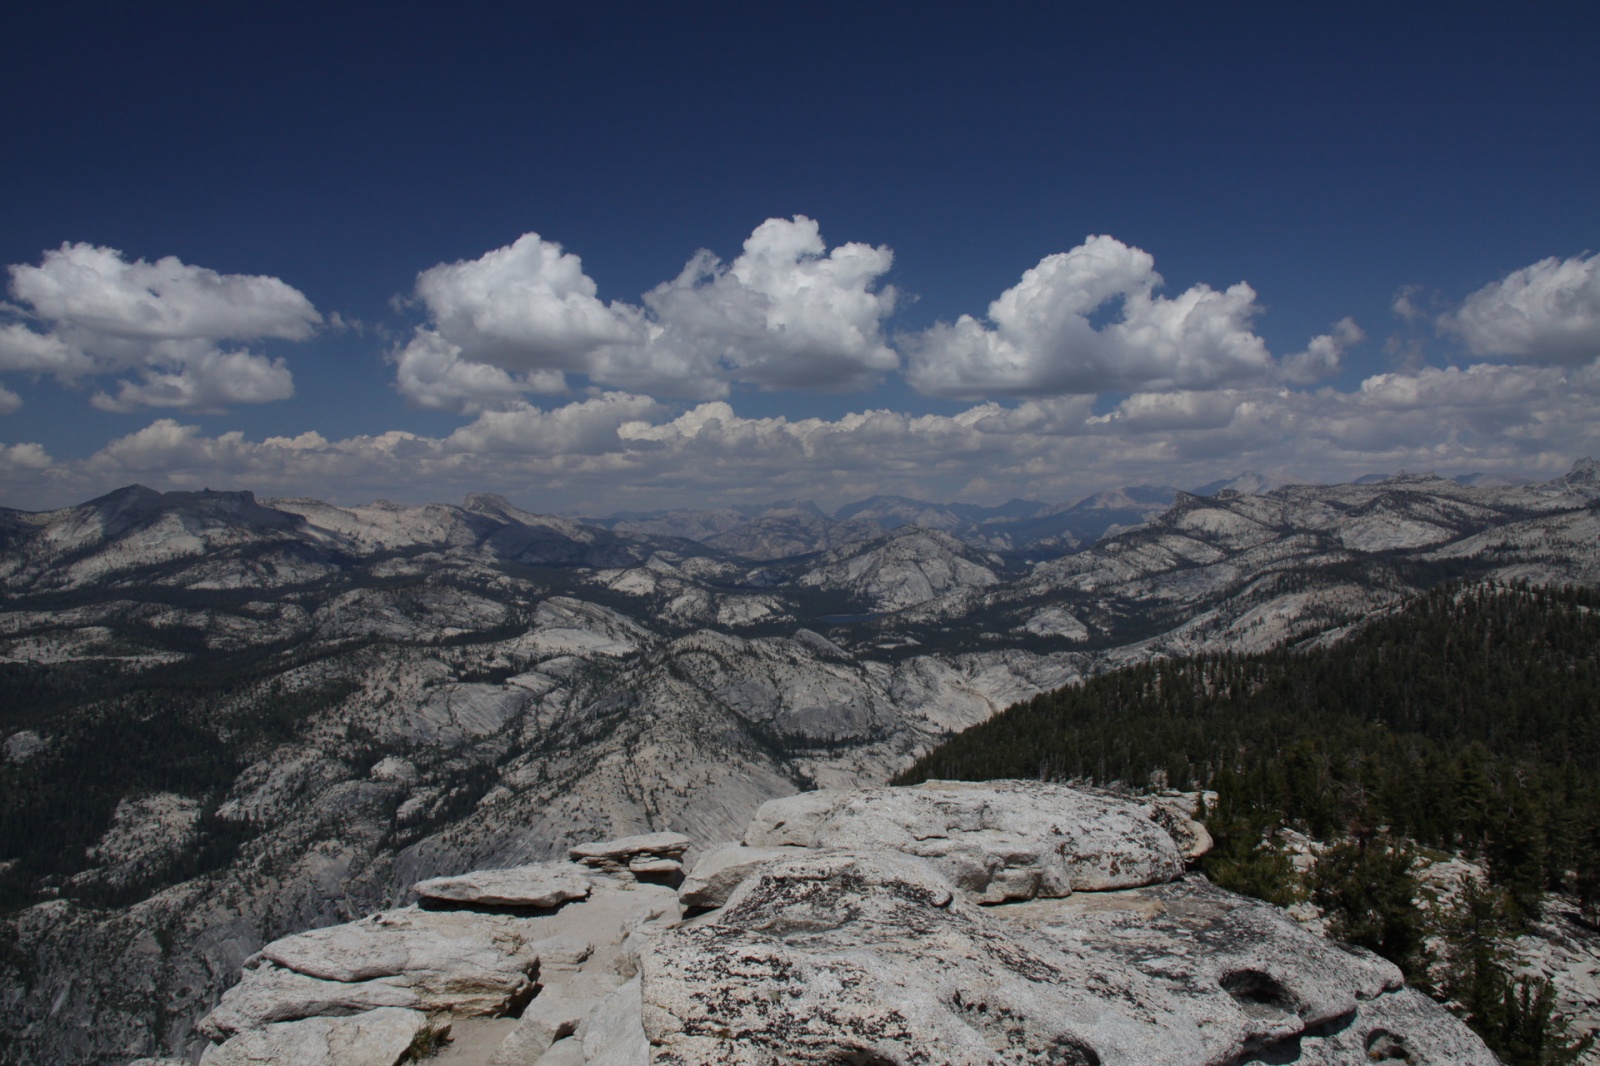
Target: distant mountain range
point(1029, 529)
point(232, 718)
point(1020, 527)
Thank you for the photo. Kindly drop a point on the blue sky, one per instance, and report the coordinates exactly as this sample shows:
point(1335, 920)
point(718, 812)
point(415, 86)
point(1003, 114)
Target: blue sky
point(289, 248)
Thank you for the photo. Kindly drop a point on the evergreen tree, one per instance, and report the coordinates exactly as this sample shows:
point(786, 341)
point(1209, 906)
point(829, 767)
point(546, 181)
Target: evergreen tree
point(1468, 721)
point(1243, 857)
point(1367, 888)
point(1526, 1031)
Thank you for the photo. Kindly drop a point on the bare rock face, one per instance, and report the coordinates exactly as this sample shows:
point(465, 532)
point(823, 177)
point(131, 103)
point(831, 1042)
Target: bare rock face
point(374, 1038)
point(720, 871)
point(1174, 812)
point(998, 840)
point(468, 952)
point(544, 884)
point(646, 854)
point(464, 963)
point(850, 927)
point(853, 957)
point(299, 995)
point(911, 567)
point(272, 993)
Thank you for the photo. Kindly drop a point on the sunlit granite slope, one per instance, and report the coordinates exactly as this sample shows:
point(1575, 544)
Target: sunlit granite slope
point(947, 923)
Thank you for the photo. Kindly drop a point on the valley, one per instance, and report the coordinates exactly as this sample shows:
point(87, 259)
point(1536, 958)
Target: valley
point(230, 719)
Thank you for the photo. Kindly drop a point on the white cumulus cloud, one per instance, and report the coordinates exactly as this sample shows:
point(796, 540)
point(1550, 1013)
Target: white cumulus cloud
point(588, 427)
point(207, 380)
point(90, 312)
point(528, 306)
point(1323, 355)
point(432, 372)
point(24, 457)
point(786, 313)
point(1042, 336)
point(1548, 312)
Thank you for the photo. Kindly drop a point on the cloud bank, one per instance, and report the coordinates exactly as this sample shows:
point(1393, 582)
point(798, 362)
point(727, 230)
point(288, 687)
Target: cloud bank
point(88, 312)
point(619, 450)
point(570, 402)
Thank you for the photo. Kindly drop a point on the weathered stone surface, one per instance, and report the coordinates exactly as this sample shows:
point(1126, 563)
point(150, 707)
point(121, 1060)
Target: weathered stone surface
point(466, 962)
point(374, 1038)
point(568, 1052)
point(719, 872)
point(874, 958)
point(615, 855)
point(394, 768)
point(1401, 1026)
point(837, 958)
point(23, 745)
point(655, 867)
point(1174, 812)
point(826, 954)
point(1242, 969)
point(562, 950)
point(462, 962)
point(544, 884)
point(554, 1015)
point(613, 1034)
point(271, 993)
point(997, 840)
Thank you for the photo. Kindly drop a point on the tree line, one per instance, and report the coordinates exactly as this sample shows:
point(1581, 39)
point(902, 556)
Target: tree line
point(1468, 721)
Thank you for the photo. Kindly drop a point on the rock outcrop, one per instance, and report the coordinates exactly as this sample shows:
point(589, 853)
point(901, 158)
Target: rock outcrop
point(380, 1037)
point(957, 923)
point(996, 840)
point(539, 885)
point(648, 854)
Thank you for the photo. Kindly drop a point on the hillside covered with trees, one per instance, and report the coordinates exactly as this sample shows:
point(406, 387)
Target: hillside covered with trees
point(1467, 722)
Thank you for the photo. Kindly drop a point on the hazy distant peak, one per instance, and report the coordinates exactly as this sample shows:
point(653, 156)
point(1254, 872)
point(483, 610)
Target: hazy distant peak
point(1585, 471)
point(1481, 480)
point(790, 507)
point(488, 503)
point(1248, 483)
point(1131, 497)
point(1406, 477)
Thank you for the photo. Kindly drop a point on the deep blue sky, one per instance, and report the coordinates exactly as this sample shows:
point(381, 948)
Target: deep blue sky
point(1328, 155)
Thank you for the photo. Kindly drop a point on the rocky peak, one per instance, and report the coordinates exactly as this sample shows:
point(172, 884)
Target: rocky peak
point(909, 567)
point(1585, 473)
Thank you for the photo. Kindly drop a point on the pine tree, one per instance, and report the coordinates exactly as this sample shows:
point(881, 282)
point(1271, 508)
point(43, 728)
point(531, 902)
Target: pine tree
point(1243, 857)
point(1367, 889)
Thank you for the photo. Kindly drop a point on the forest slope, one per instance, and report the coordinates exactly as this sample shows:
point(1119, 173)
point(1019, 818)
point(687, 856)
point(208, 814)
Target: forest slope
point(1467, 722)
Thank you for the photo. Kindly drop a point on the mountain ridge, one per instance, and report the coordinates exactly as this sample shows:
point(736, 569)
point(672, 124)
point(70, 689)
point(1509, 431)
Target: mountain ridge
point(395, 692)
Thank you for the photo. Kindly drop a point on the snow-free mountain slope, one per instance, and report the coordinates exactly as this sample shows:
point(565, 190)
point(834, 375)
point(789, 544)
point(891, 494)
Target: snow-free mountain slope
point(354, 698)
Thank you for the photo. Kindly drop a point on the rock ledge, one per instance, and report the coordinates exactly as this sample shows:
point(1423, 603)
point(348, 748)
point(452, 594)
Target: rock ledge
point(967, 924)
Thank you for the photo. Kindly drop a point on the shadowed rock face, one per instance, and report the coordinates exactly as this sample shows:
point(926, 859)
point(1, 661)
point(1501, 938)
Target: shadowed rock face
point(845, 934)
